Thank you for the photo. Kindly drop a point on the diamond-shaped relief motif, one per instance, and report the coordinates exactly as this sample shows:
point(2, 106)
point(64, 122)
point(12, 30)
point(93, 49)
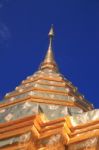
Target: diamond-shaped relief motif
point(28, 77)
point(20, 90)
point(31, 78)
point(26, 105)
point(54, 139)
point(25, 137)
point(12, 98)
point(52, 96)
point(8, 117)
point(11, 141)
point(58, 75)
point(31, 93)
point(36, 85)
point(34, 110)
point(52, 87)
point(67, 90)
point(65, 111)
point(7, 94)
point(16, 88)
point(53, 107)
point(52, 115)
point(2, 110)
point(38, 81)
point(73, 98)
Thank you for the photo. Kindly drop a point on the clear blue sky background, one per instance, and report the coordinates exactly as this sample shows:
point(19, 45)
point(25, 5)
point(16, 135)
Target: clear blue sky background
point(24, 25)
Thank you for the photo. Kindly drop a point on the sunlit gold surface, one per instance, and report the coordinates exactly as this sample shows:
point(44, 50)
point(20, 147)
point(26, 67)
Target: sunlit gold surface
point(63, 133)
point(41, 130)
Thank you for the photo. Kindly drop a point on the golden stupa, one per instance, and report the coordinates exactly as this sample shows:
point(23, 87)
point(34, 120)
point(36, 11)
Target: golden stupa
point(46, 112)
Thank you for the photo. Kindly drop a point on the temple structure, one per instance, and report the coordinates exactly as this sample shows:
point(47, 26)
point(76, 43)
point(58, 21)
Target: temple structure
point(47, 112)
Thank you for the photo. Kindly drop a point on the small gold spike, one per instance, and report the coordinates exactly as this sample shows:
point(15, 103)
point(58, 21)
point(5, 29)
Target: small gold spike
point(51, 35)
point(49, 61)
point(51, 32)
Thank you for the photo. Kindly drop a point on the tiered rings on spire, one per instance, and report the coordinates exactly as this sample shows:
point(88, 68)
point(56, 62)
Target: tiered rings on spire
point(49, 62)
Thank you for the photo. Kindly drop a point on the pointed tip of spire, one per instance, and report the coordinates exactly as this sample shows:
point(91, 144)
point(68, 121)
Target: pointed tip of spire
point(51, 32)
point(49, 61)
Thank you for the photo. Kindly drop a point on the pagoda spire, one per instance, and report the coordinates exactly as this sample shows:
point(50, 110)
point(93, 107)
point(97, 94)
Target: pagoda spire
point(49, 61)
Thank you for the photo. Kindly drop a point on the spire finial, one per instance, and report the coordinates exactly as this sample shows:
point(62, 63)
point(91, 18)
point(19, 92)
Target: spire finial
point(51, 32)
point(51, 35)
point(49, 61)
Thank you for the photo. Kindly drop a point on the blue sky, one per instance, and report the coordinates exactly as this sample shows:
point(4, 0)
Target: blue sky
point(24, 25)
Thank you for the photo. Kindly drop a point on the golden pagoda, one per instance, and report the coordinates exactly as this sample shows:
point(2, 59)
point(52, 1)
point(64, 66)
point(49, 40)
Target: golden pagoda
point(47, 112)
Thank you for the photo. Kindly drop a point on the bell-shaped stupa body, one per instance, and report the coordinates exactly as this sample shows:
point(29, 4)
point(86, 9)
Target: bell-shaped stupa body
point(47, 112)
